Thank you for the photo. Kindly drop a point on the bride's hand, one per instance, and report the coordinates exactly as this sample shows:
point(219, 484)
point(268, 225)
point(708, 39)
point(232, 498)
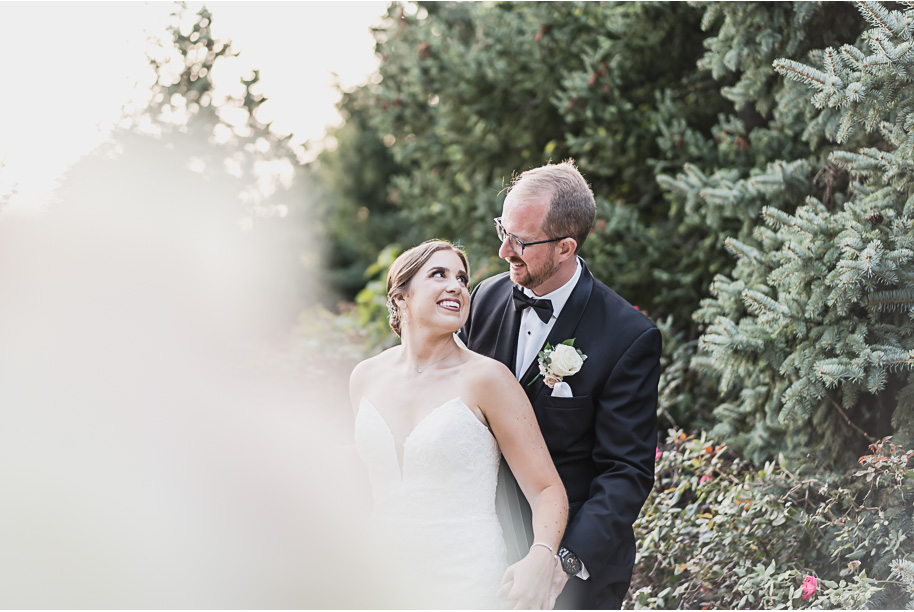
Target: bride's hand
point(527, 584)
point(559, 580)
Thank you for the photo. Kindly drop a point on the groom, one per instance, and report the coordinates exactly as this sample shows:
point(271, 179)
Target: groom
point(599, 423)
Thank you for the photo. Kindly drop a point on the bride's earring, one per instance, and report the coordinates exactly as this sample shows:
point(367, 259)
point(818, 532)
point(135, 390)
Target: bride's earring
point(403, 318)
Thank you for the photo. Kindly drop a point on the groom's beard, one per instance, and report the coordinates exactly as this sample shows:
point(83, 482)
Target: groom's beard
point(530, 278)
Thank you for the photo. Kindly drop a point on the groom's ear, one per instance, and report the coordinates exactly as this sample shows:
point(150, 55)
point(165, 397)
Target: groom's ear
point(567, 248)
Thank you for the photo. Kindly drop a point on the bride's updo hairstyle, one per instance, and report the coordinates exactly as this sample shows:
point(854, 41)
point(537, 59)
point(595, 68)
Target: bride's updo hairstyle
point(405, 267)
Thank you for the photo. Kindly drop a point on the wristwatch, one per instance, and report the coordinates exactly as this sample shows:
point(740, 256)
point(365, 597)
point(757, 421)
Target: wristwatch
point(570, 563)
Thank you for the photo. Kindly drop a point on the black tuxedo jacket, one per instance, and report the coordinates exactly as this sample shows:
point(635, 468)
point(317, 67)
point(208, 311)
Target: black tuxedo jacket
point(603, 439)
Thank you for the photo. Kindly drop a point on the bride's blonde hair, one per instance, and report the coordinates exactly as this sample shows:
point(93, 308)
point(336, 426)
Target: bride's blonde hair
point(405, 267)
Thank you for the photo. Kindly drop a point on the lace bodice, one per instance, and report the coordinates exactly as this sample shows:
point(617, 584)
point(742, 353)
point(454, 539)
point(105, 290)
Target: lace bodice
point(439, 504)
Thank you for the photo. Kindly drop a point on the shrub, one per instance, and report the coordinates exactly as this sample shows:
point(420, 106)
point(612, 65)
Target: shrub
point(718, 533)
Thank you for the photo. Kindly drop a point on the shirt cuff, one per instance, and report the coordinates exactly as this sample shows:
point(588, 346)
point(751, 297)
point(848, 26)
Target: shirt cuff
point(583, 574)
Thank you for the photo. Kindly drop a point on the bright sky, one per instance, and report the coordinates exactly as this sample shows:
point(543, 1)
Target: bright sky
point(70, 67)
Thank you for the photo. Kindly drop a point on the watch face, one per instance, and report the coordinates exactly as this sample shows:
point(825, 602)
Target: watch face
point(571, 564)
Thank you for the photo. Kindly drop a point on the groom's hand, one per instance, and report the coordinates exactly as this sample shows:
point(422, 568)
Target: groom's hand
point(559, 580)
point(528, 584)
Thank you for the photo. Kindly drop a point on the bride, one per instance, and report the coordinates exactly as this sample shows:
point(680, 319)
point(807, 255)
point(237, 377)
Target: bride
point(432, 420)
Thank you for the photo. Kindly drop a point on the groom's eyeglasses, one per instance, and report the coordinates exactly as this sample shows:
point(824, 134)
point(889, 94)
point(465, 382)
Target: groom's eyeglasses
point(516, 243)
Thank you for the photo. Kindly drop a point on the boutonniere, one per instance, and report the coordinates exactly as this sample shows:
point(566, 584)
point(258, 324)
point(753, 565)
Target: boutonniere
point(559, 362)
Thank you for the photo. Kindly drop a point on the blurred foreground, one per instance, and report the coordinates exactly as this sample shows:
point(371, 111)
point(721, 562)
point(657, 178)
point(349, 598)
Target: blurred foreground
point(152, 455)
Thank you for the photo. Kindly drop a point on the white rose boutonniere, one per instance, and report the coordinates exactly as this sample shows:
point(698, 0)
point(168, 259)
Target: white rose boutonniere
point(559, 362)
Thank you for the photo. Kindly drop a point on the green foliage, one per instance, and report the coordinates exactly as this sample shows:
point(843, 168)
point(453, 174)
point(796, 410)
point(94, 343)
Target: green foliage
point(371, 314)
point(903, 571)
point(752, 170)
point(468, 94)
point(718, 533)
point(857, 88)
point(753, 34)
point(362, 329)
point(754, 157)
point(813, 324)
point(357, 214)
point(683, 396)
point(471, 93)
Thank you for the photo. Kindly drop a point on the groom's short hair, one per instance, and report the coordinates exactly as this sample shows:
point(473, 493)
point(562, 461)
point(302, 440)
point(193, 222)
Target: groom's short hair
point(572, 209)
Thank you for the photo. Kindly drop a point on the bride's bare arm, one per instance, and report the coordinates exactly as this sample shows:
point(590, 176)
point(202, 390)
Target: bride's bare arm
point(357, 384)
point(511, 418)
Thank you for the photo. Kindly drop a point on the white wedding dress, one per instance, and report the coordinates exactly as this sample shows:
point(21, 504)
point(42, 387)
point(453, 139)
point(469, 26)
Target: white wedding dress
point(437, 510)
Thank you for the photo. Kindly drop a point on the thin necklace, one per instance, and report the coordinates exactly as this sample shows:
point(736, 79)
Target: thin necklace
point(428, 365)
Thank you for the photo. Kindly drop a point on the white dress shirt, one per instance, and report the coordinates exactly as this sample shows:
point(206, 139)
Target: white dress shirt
point(533, 332)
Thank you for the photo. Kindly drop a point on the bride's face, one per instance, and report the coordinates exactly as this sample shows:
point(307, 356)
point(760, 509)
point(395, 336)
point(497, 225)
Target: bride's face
point(438, 296)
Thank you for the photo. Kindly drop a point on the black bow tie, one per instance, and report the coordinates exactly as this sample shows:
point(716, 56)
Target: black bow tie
point(543, 308)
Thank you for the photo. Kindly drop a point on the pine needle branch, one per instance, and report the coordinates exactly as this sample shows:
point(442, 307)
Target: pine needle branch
point(871, 12)
point(800, 72)
point(848, 419)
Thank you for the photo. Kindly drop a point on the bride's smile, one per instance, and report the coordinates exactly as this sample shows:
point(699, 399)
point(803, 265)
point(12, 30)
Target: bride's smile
point(449, 304)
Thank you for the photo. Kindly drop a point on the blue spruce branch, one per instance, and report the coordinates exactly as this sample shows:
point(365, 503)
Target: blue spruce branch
point(889, 21)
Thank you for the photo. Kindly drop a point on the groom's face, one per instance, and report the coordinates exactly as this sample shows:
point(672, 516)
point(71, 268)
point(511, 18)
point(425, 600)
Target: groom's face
point(522, 215)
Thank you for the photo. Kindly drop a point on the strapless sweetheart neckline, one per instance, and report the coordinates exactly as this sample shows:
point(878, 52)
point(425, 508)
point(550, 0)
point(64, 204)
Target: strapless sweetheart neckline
point(401, 451)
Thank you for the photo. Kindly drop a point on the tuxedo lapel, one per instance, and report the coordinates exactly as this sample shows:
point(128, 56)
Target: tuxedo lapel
point(564, 327)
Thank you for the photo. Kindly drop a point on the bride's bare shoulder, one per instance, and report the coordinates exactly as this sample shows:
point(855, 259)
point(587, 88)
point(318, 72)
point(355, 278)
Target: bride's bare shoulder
point(379, 362)
point(491, 386)
point(485, 370)
point(370, 369)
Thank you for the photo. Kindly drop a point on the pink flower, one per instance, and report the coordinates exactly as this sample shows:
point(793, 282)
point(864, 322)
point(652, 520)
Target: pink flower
point(704, 479)
point(658, 454)
point(810, 586)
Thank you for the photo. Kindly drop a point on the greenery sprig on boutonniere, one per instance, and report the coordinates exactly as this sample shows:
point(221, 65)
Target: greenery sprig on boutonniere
point(559, 362)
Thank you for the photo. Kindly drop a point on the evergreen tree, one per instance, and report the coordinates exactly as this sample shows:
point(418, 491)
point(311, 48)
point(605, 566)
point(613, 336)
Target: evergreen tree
point(471, 93)
point(811, 334)
point(775, 210)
